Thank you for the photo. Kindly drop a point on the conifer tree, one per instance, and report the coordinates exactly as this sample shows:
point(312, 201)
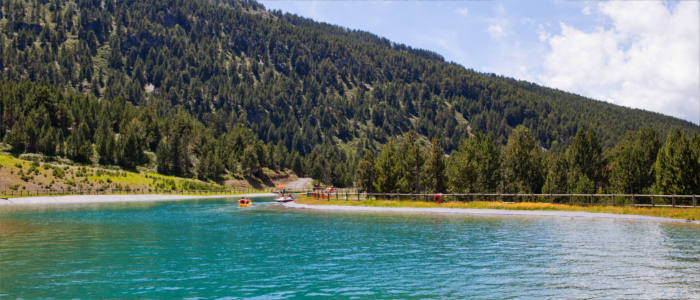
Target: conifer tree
point(475, 166)
point(435, 180)
point(105, 143)
point(250, 162)
point(523, 163)
point(48, 140)
point(130, 145)
point(633, 162)
point(676, 168)
point(556, 181)
point(410, 163)
point(17, 137)
point(387, 169)
point(365, 173)
point(585, 158)
point(695, 146)
point(79, 144)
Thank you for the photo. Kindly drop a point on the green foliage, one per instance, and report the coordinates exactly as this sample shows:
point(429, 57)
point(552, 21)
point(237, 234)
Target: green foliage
point(676, 166)
point(105, 143)
point(79, 147)
point(410, 163)
point(387, 169)
point(523, 163)
point(585, 158)
point(476, 166)
point(435, 180)
point(286, 78)
point(129, 147)
point(366, 174)
point(557, 170)
point(633, 162)
point(250, 161)
point(310, 97)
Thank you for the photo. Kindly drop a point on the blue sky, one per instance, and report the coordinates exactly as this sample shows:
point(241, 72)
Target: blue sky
point(637, 54)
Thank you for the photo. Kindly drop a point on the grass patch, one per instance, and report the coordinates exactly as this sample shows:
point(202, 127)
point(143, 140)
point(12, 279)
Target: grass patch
point(665, 212)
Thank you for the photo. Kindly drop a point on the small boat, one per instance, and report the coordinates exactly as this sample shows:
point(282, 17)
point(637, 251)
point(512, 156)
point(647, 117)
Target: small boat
point(244, 202)
point(282, 198)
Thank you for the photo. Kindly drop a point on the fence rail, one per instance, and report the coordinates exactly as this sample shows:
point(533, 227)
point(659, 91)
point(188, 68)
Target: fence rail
point(681, 201)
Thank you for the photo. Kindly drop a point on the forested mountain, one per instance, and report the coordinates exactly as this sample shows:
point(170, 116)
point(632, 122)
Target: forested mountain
point(316, 94)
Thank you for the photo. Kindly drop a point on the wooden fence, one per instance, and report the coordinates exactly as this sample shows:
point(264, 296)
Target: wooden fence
point(681, 201)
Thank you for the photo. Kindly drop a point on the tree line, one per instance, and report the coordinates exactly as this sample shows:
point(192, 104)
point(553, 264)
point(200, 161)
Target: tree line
point(44, 119)
point(639, 164)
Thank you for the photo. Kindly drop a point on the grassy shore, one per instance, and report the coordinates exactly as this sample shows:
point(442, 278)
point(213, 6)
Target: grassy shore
point(176, 193)
point(665, 212)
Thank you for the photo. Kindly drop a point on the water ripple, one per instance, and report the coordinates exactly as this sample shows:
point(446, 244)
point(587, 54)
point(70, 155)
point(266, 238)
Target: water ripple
point(211, 249)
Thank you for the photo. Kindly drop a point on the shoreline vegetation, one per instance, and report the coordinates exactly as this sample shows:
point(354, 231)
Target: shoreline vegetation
point(692, 214)
point(191, 193)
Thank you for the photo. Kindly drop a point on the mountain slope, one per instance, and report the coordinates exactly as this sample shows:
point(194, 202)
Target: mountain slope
point(321, 91)
point(288, 78)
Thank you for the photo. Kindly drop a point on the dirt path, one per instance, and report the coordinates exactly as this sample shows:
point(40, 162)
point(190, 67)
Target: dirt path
point(300, 184)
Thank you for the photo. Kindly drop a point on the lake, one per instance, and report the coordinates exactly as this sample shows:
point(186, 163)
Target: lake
point(212, 248)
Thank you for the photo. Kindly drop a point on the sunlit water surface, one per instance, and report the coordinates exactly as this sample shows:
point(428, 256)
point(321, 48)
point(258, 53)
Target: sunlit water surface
point(214, 249)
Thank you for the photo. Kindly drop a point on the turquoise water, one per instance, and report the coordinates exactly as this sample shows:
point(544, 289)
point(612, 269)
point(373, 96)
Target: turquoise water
point(211, 249)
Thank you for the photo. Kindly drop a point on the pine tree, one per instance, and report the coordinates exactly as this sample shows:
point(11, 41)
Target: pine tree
point(365, 173)
point(435, 180)
point(410, 163)
point(105, 143)
point(164, 157)
point(17, 137)
point(79, 144)
point(210, 166)
point(523, 163)
point(475, 166)
point(250, 162)
point(48, 141)
point(633, 162)
point(130, 145)
point(585, 159)
point(676, 168)
point(557, 169)
point(695, 146)
point(386, 169)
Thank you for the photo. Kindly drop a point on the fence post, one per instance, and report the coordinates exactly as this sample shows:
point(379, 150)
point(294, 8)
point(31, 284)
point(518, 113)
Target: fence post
point(673, 200)
point(695, 202)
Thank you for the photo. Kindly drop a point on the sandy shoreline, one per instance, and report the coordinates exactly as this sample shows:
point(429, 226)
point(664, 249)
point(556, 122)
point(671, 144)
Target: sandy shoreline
point(91, 199)
point(486, 212)
point(88, 199)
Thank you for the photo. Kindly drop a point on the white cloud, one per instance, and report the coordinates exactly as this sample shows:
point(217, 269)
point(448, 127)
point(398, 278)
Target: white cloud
point(648, 57)
point(462, 11)
point(496, 31)
point(586, 10)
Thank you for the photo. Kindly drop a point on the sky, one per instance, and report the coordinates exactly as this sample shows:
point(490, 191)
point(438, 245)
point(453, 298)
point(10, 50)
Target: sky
point(641, 54)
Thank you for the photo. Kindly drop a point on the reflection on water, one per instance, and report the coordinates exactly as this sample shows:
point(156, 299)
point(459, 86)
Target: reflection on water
point(213, 248)
point(13, 227)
